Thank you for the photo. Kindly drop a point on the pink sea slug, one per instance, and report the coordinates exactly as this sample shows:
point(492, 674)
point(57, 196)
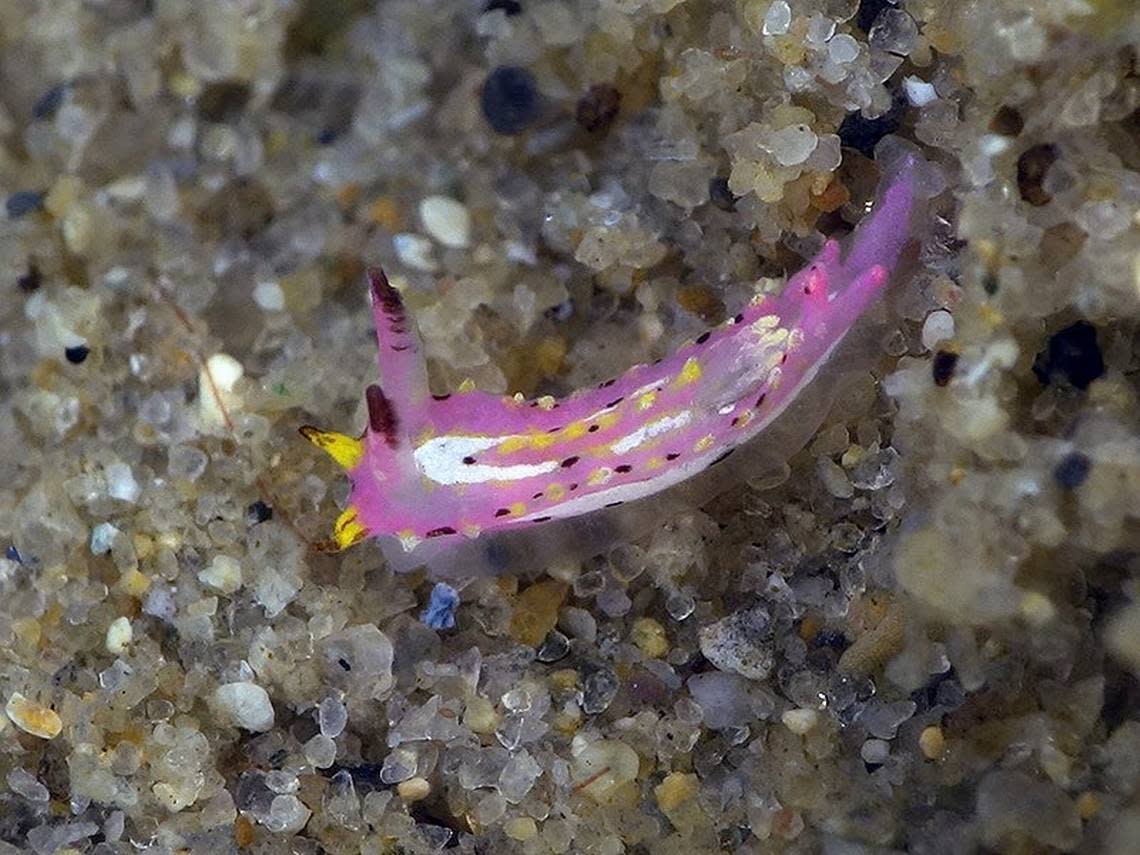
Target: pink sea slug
point(435, 475)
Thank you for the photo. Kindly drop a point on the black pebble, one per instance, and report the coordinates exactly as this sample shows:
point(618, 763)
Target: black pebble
point(510, 7)
point(223, 100)
point(1072, 354)
point(943, 366)
point(831, 638)
point(864, 134)
point(258, 512)
point(77, 355)
point(1072, 471)
point(720, 195)
point(510, 100)
point(23, 202)
point(30, 282)
point(49, 102)
point(868, 11)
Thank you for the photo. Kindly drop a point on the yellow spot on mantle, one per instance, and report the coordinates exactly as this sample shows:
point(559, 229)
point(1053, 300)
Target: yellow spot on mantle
point(774, 338)
point(690, 372)
point(345, 450)
point(766, 322)
point(517, 509)
point(608, 420)
point(574, 430)
point(704, 443)
point(555, 492)
point(531, 439)
point(647, 400)
point(599, 476)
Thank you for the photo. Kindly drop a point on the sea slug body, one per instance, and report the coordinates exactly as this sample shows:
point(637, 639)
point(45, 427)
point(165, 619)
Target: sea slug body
point(448, 469)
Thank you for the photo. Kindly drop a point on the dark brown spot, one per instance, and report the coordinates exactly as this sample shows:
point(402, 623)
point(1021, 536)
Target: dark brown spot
point(1007, 122)
point(442, 531)
point(593, 428)
point(573, 487)
point(30, 282)
point(672, 455)
point(943, 366)
point(1032, 167)
point(400, 348)
point(540, 519)
point(382, 416)
point(738, 319)
point(537, 496)
point(554, 430)
point(606, 384)
point(760, 400)
point(612, 504)
point(783, 359)
point(615, 402)
point(568, 462)
point(502, 512)
point(442, 397)
point(703, 337)
point(468, 460)
point(625, 467)
point(598, 108)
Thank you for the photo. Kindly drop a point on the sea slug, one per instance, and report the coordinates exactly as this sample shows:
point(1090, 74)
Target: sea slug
point(431, 473)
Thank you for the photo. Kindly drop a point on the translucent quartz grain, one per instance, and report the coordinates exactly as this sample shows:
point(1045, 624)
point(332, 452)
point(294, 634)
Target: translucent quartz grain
point(332, 717)
point(792, 145)
point(446, 220)
point(777, 19)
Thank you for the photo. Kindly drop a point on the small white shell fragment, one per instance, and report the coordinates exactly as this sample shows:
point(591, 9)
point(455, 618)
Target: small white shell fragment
point(269, 296)
point(938, 326)
point(33, 718)
point(119, 635)
point(246, 705)
point(216, 382)
point(446, 220)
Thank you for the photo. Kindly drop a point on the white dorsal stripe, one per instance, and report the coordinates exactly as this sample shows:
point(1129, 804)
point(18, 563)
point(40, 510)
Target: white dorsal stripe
point(441, 460)
point(648, 431)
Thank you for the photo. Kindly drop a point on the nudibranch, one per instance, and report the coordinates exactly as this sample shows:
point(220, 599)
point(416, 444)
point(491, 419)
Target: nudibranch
point(438, 471)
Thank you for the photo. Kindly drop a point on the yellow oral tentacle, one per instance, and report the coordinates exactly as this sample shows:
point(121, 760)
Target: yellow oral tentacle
point(345, 450)
point(348, 530)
